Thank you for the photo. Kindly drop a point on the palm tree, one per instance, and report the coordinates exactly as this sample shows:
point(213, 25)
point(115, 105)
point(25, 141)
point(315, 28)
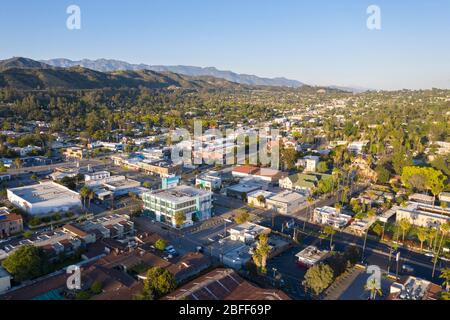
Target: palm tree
point(374, 289)
point(444, 228)
point(404, 225)
point(329, 230)
point(431, 236)
point(84, 193)
point(445, 274)
point(18, 163)
point(422, 235)
point(91, 196)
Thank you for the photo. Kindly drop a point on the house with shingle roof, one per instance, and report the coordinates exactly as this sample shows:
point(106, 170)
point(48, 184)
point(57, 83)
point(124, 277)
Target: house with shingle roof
point(306, 182)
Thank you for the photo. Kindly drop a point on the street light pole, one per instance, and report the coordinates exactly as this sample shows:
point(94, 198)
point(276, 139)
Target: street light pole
point(398, 261)
point(364, 246)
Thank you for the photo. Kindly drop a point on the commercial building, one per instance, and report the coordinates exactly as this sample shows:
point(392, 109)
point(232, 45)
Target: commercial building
point(163, 168)
point(254, 198)
point(245, 187)
point(267, 175)
point(414, 289)
point(423, 215)
point(96, 176)
point(331, 216)
point(286, 202)
point(310, 256)
point(194, 204)
point(44, 198)
point(114, 186)
point(10, 223)
point(247, 232)
point(210, 181)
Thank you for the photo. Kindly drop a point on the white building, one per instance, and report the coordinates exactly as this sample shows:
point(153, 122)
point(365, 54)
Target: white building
point(286, 202)
point(309, 163)
point(165, 204)
point(331, 216)
point(357, 146)
point(423, 215)
point(209, 181)
point(44, 199)
point(310, 256)
point(254, 198)
point(247, 232)
point(5, 280)
point(96, 176)
point(445, 197)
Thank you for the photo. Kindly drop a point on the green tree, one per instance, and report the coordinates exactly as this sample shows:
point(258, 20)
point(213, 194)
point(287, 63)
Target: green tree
point(383, 174)
point(96, 287)
point(374, 289)
point(322, 167)
point(180, 218)
point(261, 252)
point(242, 217)
point(159, 281)
point(25, 263)
point(318, 278)
point(83, 295)
point(160, 244)
point(445, 274)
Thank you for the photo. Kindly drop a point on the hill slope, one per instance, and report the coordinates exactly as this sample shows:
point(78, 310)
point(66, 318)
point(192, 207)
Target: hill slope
point(105, 65)
point(26, 74)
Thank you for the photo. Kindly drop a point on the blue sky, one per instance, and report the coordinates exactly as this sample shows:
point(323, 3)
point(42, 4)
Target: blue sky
point(315, 41)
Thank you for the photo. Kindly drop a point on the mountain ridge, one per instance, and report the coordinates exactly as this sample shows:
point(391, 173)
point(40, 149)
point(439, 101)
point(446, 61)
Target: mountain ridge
point(109, 65)
point(27, 74)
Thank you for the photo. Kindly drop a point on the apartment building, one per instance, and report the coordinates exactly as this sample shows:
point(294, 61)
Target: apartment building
point(10, 223)
point(331, 216)
point(194, 204)
point(423, 215)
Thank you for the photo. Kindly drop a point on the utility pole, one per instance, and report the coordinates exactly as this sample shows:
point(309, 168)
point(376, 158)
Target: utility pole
point(389, 263)
point(398, 262)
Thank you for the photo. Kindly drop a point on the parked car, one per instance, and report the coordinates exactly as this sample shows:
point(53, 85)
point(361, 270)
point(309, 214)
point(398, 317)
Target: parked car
point(407, 268)
point(171, 250)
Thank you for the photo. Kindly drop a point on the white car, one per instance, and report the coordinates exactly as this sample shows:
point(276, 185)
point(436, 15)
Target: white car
point(429, 254)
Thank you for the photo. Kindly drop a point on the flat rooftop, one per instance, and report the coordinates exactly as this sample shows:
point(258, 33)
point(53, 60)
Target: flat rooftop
point(287, 196)
point(311, 255)
point(179, 194)
point(46, 191)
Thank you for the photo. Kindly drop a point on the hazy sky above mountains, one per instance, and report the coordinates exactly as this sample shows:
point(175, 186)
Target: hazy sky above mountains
point(316, 41)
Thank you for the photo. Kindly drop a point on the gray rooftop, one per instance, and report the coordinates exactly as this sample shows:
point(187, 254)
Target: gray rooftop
point(46, 191)
point(179, 194)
